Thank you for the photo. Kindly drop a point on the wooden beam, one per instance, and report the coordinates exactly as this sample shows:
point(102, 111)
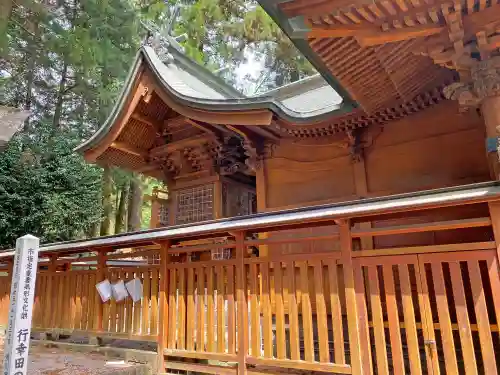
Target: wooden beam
point(370, 36)
point(129, 149)
point(398, 35)
point(207, 128)
point(174, 146)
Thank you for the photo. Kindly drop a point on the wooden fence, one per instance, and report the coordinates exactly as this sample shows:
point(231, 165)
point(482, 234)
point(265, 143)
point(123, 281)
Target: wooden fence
point(282, 301)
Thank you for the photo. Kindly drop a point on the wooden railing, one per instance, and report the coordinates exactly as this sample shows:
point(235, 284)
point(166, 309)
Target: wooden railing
point(418, 299)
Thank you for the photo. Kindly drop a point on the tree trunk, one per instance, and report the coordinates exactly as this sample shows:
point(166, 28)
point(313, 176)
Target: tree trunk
point(107, 203)
point(5, 13)
point(30, 71)
point(60, 97)
point(121, 212)
point(135, 204)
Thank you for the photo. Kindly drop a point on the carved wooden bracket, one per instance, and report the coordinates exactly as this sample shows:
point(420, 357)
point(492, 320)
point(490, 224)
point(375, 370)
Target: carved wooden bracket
point(484, 82)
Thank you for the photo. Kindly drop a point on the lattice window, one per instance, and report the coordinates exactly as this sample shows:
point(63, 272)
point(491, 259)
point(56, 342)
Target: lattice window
point(238, 200)
point(221, 254)
point(195, 204)
point(163, 214)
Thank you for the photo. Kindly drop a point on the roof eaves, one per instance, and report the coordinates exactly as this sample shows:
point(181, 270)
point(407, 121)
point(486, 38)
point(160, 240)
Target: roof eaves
point(296, 30)
point(115, 112)
point(206, 75)
point(247, 103)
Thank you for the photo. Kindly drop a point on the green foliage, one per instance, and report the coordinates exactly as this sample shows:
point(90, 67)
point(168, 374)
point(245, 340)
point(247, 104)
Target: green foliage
point(66, 61)
point(46, 189)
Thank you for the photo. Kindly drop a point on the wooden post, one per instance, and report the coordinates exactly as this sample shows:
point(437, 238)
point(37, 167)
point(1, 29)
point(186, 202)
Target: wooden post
point(50, 310)
point(101, 267)
point(163, 308)
point(350, 296)
point(241, 300)
point(490, 108)
point(495, 223)
point(155, 209)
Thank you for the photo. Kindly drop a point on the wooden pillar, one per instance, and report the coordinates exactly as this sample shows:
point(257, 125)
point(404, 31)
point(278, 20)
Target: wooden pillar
point(163, 309)
point(490, 108)
point(357, 352)
point(495, 223)
point(100, 276)
point(241, 300)
point(155, 210)
point(50, 310)
point(261, 193)
point(361, 185)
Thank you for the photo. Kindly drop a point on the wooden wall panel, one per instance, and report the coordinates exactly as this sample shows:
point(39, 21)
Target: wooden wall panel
point(293, 182)
point(435, 148)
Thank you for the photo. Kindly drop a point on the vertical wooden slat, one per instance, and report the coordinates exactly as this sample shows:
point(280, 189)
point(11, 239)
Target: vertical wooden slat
point(92, 305)
point(100, 307)
point(49, 306)
point(427, 320)
point(494, 276)
point(181, 337)
point(483, 323)
point(172, 309)
point(85, 300)
point(324, 352)
point(200, 326)
point(293, 313)
point(145, 302)
point(78, 307)
point(378, 322)
point(393, 317)
point(231, 317)
point(280, 312)
point(73, 283)
point(409, 318)
point(336, 311)
point(59, 306)
point(221, 328)
point(120, 308)
point(154, 301)
point(463, 319)
point(164, 303)
point(137, 311)
point(444, 319)
point(129, 306)
point(210, 310)
point(254, 311)
point(306, 313)
point(191, 314)
point(267, 330)
point(66, 302)
point(364, 334)
point(242, 302)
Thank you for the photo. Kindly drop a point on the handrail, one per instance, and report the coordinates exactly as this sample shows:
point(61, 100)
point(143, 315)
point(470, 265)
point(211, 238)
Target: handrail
point(300, 217)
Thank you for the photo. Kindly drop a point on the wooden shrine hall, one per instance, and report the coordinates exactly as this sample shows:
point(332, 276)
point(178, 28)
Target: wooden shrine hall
point(346, 223)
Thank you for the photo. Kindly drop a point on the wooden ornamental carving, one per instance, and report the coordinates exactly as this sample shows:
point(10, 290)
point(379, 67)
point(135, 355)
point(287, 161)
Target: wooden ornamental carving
point(231, 157)
point(484, 82)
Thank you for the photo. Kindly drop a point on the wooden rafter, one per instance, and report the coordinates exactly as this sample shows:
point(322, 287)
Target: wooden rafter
point(129, 149)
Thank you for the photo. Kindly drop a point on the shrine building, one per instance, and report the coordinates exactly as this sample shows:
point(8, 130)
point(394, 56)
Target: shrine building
point(346, 223)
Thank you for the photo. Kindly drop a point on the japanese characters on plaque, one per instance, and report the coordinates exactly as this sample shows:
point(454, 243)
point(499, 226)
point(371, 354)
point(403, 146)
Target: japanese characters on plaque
point(21, 306)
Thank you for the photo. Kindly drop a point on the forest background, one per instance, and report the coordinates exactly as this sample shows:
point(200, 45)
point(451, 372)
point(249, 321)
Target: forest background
point(66, 60)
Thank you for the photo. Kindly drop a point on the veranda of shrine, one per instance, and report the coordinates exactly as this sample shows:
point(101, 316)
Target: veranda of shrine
point(359, 240)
